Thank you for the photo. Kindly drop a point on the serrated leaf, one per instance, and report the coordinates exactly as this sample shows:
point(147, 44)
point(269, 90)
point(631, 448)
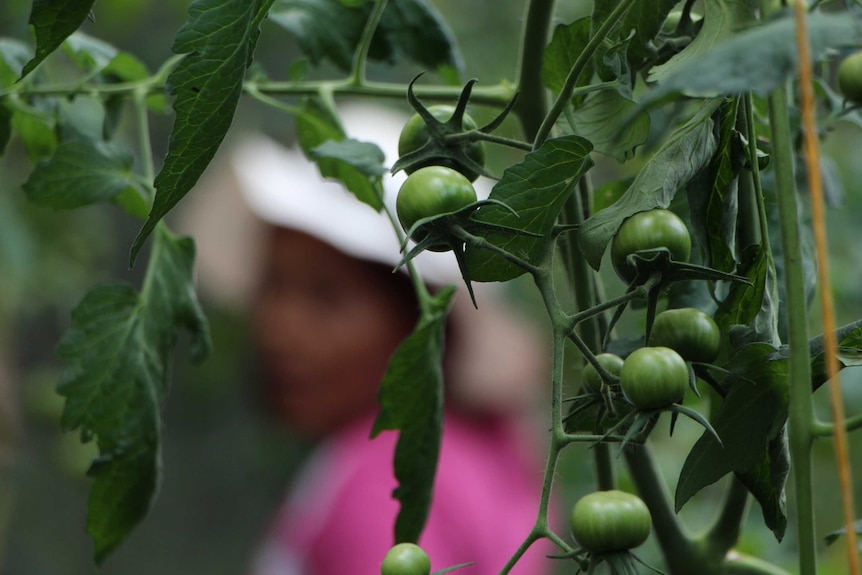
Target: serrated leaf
point(118, 352)
point(611, 122)
point(411, 399)
point(750, 416)
point(219, 41)
point(757, 60)
point(685, 153)
point(744, 302)
point(566, 44)
point(315, 126)
point(721, 20)
point(536, 189)
point(81, 171)
point(330, 30)
point(13, 57)
point(52, 24)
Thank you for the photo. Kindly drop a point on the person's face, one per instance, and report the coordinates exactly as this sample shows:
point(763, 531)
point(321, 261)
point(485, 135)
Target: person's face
point(326, 325)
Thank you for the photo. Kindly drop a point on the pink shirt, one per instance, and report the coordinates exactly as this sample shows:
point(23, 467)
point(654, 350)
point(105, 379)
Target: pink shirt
point(338, 518)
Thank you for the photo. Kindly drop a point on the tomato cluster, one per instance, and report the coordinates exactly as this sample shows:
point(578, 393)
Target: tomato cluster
point(436, 185)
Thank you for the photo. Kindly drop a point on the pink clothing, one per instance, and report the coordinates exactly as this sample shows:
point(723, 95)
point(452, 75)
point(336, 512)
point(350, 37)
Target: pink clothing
point(339, 516)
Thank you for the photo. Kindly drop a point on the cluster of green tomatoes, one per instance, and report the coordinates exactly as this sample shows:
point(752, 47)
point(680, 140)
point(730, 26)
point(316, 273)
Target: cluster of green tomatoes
point(441, 173)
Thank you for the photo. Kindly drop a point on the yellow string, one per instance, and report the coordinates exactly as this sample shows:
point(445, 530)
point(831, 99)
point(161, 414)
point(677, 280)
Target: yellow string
point(815, 185)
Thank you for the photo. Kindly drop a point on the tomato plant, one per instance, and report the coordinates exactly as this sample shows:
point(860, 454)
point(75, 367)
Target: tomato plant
point(415, 134)
point(406, 559)
point(612, 520)
point(649, 230)
point(654, 377)
point(688, 331)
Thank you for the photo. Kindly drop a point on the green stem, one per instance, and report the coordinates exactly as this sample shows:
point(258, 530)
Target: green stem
point(824, 429)
point(144, 142)
point(724, 532)
point(476, 135)
point(532, 98)
point(677, 548)
point(572, 79)
point(360, 57)
point(801, 412)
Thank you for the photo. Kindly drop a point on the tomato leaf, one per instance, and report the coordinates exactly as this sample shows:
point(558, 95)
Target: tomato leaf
point(751, 416)
point(411, 398)
point(567, 42)
point(644, 20)
point(218, 41)
point(37, 131)
point(118, 352)
point(315, 128)
point(82, 171)
point(330, 30)
point(611, 122)
point(536, 189)
point(53, 23)
point(721, 20)
point(687, 150)
point(757, 60)
point(766, 482)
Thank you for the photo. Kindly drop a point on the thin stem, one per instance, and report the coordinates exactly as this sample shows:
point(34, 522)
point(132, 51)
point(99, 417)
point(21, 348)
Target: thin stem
point(360, 57)
point(482, 243)
point(144, 143)
point(823, 429)
point(801, 409)
point(815, 186)
point(532, 99)
point(475, 135)
point(572, 79)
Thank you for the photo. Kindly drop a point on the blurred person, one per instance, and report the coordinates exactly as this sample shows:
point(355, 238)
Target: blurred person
point(328, 312)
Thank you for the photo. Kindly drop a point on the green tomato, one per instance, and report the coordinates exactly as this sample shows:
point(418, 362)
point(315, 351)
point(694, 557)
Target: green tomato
point(414, 135)
point(649, 230)
point(690, 332)
point(406, 559)
point(609, 361)
point(432, 191)
point(850, 77)
point(654, 377)
point(607, 521)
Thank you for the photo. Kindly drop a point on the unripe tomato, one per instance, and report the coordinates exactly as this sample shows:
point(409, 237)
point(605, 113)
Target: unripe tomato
point(606, 521)
point(850, 77)
point(690, 332)
point(654, 377)
point(611, 362)
point(432, 191)
point(649, 230)
point(414, 135)
point(406, 559)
